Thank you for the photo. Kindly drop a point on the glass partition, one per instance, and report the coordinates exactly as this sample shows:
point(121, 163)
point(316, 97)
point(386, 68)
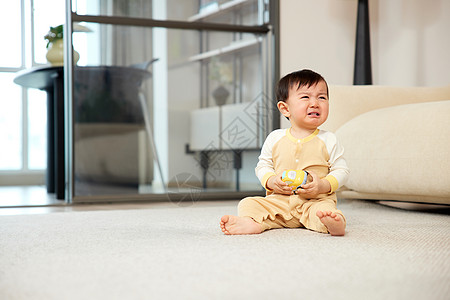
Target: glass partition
point(165, 112)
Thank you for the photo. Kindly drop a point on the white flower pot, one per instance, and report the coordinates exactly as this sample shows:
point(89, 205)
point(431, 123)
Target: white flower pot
point(55, 53)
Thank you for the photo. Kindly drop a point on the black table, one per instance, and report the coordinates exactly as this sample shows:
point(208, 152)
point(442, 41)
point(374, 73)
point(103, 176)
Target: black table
point(51, 80)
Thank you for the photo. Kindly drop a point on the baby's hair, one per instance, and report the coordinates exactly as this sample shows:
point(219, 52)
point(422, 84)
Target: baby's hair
point(300, 78)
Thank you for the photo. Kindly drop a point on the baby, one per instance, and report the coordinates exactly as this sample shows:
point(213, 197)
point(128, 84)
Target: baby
point(303, 99)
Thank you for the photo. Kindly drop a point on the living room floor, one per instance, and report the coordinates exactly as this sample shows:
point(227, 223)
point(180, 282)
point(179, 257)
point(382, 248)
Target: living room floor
point(116, 253)
point(22, 200)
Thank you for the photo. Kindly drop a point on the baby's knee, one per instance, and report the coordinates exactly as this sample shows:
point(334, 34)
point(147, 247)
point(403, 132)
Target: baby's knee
point(246, 204)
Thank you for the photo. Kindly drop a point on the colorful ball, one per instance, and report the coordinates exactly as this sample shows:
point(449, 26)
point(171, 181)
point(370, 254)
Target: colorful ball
point(295, 178)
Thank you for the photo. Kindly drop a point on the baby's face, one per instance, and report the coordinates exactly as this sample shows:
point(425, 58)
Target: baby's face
point(308, 107)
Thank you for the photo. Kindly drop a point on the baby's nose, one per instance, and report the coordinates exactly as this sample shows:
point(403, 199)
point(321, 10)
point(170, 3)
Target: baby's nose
point(314, 102)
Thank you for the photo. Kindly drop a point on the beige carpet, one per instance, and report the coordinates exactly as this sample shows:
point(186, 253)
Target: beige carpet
point(180, 253)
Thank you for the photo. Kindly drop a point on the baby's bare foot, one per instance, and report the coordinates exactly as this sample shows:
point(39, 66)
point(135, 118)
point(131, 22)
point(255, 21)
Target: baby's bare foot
point(239, 225)
point(333, 221)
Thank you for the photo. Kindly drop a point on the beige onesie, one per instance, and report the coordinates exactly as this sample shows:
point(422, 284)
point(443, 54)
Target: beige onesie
point(321, 153)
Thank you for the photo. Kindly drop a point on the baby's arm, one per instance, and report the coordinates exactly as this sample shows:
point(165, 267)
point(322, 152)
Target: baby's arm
point(338, 172)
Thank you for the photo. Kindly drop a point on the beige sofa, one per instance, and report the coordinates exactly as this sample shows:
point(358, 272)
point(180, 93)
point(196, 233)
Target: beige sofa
point(396, 140)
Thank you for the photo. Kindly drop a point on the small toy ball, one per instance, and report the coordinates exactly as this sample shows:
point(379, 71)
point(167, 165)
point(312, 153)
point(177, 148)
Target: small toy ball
point(295, 178)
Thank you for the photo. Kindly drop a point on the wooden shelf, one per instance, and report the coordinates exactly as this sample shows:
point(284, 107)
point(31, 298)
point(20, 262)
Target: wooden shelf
point(221, 9)
point(233, 47)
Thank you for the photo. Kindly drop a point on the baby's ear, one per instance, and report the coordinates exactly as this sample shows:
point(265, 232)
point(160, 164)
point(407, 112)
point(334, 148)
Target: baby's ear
point(283, 108)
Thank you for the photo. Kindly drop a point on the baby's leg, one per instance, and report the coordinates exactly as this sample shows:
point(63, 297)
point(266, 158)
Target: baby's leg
point(334, 222)
point(239, 225)
point(322, 215)
point(252, 215)
point(243, 223)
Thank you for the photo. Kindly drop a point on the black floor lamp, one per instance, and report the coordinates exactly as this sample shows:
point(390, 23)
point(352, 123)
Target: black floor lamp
point(363, 68)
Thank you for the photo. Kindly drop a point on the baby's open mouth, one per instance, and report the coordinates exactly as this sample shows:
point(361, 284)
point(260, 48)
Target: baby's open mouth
point(313, 114)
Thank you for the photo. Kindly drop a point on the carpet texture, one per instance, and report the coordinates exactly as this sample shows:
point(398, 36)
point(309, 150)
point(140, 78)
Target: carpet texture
point(180, 253)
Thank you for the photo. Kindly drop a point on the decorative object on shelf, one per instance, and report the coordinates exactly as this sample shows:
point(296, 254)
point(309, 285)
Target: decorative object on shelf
point(55, 44)
point(221, 73)
point(221, 95)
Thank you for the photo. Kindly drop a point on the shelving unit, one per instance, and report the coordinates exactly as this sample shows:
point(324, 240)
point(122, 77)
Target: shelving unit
point(237, 46)
point(213, 124)
point(221, 9)
point(236, 50)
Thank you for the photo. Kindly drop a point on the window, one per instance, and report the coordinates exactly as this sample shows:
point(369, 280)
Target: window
point(23, 112)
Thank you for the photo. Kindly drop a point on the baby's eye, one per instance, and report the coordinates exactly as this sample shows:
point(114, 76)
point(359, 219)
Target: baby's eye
point(323, 98)
point(304, 97)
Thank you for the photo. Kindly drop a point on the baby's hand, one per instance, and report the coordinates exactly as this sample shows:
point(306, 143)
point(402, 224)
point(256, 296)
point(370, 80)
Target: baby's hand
point(315, 187)
point(278, 186)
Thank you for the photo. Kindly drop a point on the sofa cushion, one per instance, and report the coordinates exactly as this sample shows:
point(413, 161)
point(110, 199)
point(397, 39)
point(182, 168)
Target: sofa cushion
point(347, 102)
point(400, 150)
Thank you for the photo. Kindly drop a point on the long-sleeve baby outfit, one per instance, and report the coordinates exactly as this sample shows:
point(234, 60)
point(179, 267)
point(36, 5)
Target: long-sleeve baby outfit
point(320, 153)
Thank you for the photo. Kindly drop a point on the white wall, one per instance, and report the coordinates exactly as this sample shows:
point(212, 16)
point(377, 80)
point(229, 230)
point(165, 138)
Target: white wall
point(410, 40)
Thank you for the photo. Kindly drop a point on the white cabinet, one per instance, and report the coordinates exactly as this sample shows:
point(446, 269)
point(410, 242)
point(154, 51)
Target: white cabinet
point(228, 127)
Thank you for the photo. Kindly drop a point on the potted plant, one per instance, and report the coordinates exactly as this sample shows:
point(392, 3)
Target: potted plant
point(54, 34)
point(55, 44)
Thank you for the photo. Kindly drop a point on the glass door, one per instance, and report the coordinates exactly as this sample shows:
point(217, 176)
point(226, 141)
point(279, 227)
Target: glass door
point(168, 100)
